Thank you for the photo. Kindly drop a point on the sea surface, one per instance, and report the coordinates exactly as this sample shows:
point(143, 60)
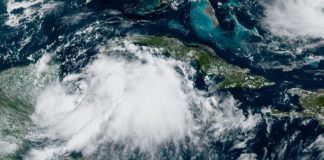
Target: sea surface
point(281, 40)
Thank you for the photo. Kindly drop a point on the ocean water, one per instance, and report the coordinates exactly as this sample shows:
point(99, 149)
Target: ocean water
point(133, 102)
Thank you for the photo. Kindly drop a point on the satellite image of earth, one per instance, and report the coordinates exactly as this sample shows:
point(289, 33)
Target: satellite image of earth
point(161, 79)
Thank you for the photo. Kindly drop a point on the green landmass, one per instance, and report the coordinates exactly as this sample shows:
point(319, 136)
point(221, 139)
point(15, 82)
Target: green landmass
point(18, 89)
point(210, 63)
point(14, 117)
point(311, 101)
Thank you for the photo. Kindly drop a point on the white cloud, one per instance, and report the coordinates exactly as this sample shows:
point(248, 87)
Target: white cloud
point(294, 19)
point(141, 102)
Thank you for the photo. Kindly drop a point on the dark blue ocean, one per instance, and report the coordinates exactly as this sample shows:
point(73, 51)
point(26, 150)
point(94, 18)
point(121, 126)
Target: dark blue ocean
point(57, 26)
